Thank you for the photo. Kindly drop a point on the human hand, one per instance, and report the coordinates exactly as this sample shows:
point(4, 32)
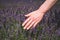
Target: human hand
point(33, 19)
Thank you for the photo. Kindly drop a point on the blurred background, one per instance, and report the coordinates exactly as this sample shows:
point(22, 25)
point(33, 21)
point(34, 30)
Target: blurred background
point(12, 15)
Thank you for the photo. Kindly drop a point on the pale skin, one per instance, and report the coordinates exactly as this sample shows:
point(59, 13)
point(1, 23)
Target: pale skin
point(36, 16)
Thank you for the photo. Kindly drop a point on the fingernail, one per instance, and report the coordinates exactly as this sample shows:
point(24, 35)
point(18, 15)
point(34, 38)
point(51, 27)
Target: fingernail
point(24, 28)
point(22, 25)
point(25, 15)
point(27, 28)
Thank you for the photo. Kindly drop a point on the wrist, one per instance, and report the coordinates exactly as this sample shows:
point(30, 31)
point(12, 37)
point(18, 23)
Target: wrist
point(42, 10)
point(42, 13)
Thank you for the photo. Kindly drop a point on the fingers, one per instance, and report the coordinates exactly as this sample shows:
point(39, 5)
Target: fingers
point(35, 24)
point(26, 21)
point(28, 24)
point(31, 24)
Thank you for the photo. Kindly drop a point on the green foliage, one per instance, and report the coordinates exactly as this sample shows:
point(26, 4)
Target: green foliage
point(11, 29)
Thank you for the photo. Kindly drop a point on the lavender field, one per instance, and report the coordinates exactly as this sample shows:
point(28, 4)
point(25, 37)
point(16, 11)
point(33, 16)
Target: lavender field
point(12, 16)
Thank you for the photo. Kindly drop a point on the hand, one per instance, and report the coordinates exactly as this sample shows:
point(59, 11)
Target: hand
point(33, 19)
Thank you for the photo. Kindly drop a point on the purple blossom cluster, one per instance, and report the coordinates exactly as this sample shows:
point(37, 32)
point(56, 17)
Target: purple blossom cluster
point(11, 18)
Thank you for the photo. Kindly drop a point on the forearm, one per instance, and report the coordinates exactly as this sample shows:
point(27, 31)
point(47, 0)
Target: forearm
point(47, 5)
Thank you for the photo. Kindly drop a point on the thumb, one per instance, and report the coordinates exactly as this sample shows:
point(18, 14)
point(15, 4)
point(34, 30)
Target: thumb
point(28, 14)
